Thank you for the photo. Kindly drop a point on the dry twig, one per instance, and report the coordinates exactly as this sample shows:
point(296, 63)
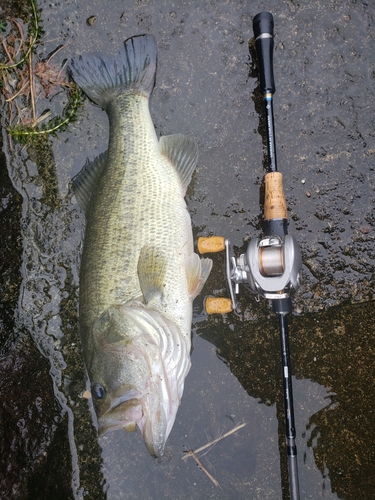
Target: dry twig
point(203, 468)
point(31, 79)
point(211, 443)
point(193, 453)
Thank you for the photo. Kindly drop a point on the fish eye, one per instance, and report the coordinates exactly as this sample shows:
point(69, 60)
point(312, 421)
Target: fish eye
point(98, 391)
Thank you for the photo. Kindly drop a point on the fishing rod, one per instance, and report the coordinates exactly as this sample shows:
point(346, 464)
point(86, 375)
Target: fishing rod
point(272, 265)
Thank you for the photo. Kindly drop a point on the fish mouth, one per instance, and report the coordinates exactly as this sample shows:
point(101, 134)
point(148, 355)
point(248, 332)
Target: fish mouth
point(125, 414)
point(132, 413)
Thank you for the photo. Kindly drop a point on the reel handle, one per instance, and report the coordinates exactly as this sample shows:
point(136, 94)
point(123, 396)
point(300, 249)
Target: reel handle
point(263, 35)
point(211, 244)
point(217, 305)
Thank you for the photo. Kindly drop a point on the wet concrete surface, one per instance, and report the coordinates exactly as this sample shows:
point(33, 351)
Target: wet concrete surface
point(206, 87)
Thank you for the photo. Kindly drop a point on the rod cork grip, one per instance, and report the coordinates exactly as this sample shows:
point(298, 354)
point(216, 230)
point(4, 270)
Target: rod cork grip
point(213, 244)
point(275, 203)
point(218, 305)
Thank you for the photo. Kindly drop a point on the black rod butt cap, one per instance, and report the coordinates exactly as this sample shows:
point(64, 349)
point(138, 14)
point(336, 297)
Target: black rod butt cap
point(263, 23)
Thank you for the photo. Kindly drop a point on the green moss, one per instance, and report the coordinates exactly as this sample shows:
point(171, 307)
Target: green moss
point(29, 132)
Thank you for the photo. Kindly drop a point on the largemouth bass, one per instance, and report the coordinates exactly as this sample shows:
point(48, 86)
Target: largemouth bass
point(139, 273)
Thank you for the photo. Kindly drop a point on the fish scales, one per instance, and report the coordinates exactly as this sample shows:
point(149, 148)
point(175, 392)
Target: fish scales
point(139, 273)
point(139, 203)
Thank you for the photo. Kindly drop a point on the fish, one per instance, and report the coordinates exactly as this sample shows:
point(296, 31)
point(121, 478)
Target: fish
point(139, 273)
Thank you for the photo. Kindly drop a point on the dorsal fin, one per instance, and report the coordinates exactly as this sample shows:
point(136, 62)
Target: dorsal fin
point(182, 152)
point(85, 181)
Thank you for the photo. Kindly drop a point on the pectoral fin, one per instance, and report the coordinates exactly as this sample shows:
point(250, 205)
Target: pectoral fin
point(197, 272)
point(151, 269)
point(108, 328)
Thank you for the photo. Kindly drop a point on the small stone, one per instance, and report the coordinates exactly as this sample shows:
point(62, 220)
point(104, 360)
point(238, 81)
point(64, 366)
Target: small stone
point(365, 228)
point(91, 20)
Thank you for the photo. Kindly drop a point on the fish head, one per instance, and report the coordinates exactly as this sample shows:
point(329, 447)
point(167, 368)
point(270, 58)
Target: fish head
point(137, 367)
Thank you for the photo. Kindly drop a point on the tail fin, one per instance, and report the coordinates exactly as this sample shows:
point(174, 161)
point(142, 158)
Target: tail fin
point(103, 77)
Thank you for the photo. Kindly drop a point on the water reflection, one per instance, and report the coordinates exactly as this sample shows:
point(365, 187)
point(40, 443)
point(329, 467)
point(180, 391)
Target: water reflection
point(50, 229)
point(333, 358)
point(310, 398)
point(337, 350)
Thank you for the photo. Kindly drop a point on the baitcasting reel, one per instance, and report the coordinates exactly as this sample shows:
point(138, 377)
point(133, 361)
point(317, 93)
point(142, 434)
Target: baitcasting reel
point(271, 267)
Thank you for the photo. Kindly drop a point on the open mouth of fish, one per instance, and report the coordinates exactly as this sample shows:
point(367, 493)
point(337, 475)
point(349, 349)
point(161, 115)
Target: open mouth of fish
point(128, 412)
point(123, 414)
